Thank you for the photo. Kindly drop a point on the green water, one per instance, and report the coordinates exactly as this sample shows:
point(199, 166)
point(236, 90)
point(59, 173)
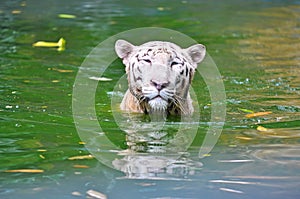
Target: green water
point(255, 45)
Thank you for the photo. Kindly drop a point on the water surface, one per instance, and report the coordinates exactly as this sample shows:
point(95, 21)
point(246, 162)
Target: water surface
point(256, 47)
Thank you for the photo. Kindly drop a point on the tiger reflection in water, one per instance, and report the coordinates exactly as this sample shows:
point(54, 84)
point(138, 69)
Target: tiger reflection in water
point(155, 155)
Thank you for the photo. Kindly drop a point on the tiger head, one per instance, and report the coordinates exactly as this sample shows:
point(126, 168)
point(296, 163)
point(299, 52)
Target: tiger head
point(159, 74)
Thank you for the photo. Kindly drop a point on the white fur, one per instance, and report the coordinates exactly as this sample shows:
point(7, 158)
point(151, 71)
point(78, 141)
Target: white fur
point(158, 66)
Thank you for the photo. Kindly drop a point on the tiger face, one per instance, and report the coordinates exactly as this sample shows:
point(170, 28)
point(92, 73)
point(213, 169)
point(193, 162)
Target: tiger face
point(159, 76)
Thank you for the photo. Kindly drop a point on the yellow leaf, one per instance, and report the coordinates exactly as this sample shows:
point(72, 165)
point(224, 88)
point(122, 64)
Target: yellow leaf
point(82, 157)
point(258, 114)
point(66, 16)
point(41, 150)
point(79, 166)
point(61, 44)
point(45, 44)
point(261, 128)
point(55, 81)
point(16, 12)
point(243, 138)
point(25, 171)
point(246, 110)
point(62, 70)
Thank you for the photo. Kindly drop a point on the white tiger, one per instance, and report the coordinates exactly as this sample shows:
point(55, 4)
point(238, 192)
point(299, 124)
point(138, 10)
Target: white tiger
point(159, 76)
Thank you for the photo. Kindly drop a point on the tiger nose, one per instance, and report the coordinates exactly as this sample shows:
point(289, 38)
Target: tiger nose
point(159, 85)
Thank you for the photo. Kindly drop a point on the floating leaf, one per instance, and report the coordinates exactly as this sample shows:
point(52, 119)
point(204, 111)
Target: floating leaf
point(55, 81)
point(76, 193)
point(258, 114)
point(45, 44)
point(66, 16)
point(96, 194)
point(63, 70)
point(243, 138)
point(233, 182)
point(246, 110)
point(145, 184)
point(41, 150)
point(231, 190)
point(80, 166)
point(61, 44)
point(25, 171)
point(81, 157)
point(16, 12)
point(102, 79)
point(261, 128)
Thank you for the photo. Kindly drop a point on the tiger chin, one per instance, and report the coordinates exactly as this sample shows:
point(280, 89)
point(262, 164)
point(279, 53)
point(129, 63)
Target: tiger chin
point(159, 75)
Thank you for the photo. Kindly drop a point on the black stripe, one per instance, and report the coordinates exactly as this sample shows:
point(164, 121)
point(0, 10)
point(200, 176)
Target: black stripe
point(186, 71)
point(138, 69)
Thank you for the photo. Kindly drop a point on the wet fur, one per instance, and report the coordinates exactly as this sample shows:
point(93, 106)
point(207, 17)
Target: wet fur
point(159, 76)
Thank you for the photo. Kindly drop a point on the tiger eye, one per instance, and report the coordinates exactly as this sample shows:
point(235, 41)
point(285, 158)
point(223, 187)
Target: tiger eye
point(147, 60)
point(174, 63)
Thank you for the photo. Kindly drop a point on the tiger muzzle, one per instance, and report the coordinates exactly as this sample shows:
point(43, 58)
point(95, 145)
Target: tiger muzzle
point(159, 85)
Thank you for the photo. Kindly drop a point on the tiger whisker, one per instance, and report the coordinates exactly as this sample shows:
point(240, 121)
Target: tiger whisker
point(179, 101)
point(141, 98)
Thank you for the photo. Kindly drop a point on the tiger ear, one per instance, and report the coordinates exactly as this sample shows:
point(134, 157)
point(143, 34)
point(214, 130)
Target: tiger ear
point(196, 52)
point(123, 48)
